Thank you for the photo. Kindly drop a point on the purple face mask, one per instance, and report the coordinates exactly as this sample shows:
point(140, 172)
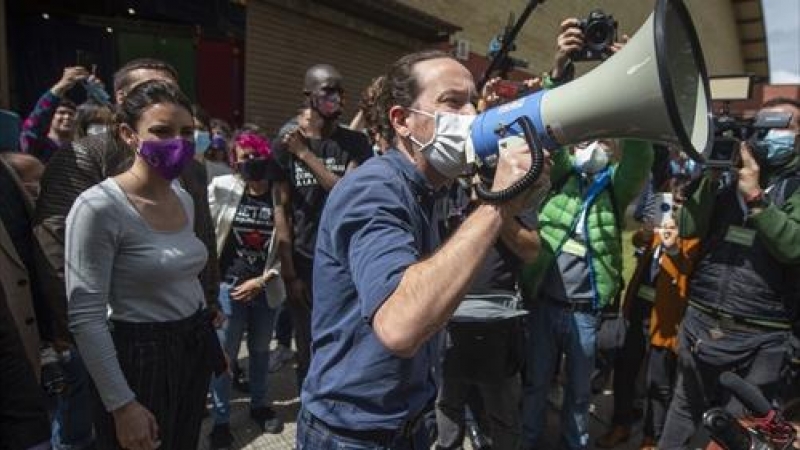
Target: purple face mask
point(168, 157)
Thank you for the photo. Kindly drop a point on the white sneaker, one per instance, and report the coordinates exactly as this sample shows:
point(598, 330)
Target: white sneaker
point(279, 357)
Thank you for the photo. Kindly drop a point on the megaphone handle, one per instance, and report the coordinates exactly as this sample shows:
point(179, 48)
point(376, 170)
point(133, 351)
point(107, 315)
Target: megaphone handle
point(537, 162)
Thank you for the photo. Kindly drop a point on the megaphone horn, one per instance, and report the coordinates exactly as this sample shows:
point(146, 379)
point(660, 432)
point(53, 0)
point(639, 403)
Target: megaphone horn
point(655, 89)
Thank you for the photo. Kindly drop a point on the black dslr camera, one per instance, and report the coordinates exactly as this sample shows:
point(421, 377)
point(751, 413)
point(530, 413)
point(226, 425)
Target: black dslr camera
point(599, 34)
point(730, 131)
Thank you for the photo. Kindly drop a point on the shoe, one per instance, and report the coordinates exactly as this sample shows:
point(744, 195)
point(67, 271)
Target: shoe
point(478, 440)
point(648, 443)
point(267, 419)
point(220, 437)
point(279, 357)
point(240, 381)
point(617, 435)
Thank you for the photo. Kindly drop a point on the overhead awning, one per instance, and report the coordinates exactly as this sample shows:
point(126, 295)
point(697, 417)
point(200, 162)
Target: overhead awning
point(399, 17)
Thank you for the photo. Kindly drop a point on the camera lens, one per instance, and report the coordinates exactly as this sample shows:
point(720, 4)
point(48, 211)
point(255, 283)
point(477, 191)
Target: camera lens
point(598, 35)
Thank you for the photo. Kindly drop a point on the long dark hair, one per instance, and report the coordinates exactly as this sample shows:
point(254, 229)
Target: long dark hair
point(146, 95)
point(400, 88)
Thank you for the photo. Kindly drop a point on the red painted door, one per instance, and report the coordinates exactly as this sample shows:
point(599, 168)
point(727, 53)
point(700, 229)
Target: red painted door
point(220, 79)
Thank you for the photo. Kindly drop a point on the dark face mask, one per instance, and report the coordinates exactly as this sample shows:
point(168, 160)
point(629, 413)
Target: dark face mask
point(253, 169)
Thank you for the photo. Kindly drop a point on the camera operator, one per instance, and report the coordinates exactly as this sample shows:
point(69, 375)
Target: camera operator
point(742, 291)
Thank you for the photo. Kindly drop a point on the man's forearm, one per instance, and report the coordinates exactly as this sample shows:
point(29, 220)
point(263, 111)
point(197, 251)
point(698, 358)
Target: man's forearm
point(431, 290)
point(283, 230)
point(524, 242)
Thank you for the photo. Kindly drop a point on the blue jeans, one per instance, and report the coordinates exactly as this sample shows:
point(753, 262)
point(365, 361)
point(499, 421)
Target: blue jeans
point(554, 329)
point(259, 320)
point(315, 435)
point(72, 421)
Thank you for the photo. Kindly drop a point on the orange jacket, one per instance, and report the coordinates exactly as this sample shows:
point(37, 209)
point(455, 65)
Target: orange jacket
point(671, 288)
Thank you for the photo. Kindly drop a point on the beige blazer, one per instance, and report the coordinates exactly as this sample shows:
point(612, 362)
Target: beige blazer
point(224, 194)
point(16, 281)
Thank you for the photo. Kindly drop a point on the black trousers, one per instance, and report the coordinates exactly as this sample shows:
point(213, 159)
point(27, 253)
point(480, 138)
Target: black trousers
point(23, 412)
point(628, 362)
point(168, 366)
point(301, 320)
point(661, 369)
point(756, 355)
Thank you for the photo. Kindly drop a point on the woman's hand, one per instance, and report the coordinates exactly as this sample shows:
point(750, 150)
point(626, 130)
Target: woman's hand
point(248, 290)
point(136, 427)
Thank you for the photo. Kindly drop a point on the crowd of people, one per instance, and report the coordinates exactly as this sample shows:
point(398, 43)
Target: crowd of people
point(143, 241)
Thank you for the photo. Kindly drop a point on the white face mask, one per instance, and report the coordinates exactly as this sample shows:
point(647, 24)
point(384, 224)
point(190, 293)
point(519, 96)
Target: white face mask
point(449, 151)
point(590, 159)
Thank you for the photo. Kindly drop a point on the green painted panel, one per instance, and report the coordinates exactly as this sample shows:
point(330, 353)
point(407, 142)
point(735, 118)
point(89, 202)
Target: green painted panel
point(178, 51)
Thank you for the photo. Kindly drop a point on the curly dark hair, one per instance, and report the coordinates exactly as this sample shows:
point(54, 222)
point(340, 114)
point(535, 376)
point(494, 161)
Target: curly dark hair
point(368, 105)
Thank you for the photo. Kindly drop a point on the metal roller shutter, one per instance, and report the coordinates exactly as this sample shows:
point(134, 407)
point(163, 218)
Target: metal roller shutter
point(282, 43)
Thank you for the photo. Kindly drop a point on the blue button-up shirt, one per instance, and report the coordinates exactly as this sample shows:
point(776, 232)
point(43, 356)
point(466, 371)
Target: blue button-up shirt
point(378, 220)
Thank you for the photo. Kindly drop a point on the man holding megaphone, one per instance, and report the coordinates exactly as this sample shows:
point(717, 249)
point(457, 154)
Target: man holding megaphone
point(383, 286)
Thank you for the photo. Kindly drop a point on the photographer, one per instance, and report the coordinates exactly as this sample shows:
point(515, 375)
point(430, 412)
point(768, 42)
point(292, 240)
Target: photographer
point(571, 46)
point(51, 125)
point(744, 287)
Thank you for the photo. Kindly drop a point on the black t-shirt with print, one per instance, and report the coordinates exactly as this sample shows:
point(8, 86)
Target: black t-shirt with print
point(500, 267)
point(247, 245)
point(308, 197)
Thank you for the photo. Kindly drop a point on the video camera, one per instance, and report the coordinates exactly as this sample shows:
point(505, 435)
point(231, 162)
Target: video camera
point(599, 34)
point(730, 131)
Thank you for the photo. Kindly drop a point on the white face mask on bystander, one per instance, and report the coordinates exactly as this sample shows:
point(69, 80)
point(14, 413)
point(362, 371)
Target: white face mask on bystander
point(591, 158)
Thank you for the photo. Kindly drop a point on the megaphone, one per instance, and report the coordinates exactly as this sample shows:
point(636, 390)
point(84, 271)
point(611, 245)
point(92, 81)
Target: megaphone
point(655, 89)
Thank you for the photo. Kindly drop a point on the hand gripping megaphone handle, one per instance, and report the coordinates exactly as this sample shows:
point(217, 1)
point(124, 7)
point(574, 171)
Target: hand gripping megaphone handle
point(485, 193)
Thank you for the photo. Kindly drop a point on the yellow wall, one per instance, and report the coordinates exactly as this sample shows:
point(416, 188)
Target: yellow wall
point(481, 20)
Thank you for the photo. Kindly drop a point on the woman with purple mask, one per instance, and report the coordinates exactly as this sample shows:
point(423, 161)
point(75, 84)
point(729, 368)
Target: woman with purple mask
point(131, 249)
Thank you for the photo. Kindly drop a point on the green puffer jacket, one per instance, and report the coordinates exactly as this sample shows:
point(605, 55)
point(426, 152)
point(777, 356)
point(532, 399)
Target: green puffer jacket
point(604, 243)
